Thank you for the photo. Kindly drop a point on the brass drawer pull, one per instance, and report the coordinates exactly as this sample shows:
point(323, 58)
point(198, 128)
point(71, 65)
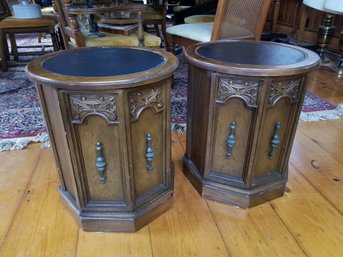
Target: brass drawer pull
point(231, 140)
point(100, 163)
point(149, 152)
point(275, 140)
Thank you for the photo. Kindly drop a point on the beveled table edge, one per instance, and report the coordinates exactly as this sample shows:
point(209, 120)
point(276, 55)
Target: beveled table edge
point(37, 73)
point(312, 61)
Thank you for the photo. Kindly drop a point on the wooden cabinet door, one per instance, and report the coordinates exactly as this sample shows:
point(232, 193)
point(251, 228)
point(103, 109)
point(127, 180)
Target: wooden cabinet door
point(149, 140)
point(96, 137)
point(233, 115)
point(278, 127)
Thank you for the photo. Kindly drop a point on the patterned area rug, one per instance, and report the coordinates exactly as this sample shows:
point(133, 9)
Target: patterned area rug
point(179, 98)
point(316, 109)
point(21, 120)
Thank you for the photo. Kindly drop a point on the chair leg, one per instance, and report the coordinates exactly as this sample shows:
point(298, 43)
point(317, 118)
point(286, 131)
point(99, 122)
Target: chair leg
point(275, 15)
point(40, 36)
point(60, 38)
point(169, 43)
point(5, 45)
point(54, 40)
point(3, 52)
point(14, 48)
point(165, 36)
point(157, 30)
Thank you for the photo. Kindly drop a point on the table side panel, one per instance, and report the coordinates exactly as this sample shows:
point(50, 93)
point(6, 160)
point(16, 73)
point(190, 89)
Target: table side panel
point(97, 130)
point(234, 165)
point(148, 126)
point(283, 104)
point(93, 117)
point(198, 113)
point(234, 102)
point(58, 136)
point(266, 164)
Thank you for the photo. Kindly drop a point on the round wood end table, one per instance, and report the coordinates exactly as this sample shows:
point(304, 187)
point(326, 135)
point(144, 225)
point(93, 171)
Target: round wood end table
point(244, 102)
point(107, 111)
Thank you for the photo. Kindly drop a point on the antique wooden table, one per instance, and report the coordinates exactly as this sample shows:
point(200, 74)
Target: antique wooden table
point(244, 102)
point(108, 115)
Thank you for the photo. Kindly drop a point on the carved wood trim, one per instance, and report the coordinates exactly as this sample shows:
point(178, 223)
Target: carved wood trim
point(285, 89)
point(83, 106)
point(147, 98)
point(233, 87)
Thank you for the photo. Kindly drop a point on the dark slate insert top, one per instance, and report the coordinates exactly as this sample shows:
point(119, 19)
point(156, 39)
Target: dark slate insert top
point(251, 53)
point(103, 62)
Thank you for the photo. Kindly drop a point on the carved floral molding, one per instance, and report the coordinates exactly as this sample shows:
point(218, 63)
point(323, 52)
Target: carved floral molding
point(247, 90)
point(147, 98)
point(287, 88)
point(83, 106)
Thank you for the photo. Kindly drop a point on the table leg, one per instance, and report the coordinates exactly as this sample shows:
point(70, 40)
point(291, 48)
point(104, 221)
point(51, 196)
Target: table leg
point(14, 48)
point(2, 52)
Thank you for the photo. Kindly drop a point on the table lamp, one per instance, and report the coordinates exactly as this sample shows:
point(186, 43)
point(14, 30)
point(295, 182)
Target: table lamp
point(326, 30)
point(336, 7)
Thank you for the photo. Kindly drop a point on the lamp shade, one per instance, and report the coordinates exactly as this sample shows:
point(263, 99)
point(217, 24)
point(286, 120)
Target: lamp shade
point(316, 4)
point(334, 6)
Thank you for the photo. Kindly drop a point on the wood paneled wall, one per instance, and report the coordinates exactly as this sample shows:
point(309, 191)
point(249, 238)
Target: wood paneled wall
point(289, 17)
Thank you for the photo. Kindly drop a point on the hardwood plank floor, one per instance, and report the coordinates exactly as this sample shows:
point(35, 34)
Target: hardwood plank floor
point(188, 227)
point(41, 226)
point(16, 170)
point(306, 221)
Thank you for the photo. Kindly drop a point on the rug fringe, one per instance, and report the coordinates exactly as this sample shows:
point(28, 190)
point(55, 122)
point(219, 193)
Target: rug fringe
point(20, 143)
point(323, 115)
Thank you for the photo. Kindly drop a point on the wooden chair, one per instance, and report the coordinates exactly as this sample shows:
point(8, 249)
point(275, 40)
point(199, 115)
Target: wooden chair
point(155, 14)
point(234, 19)
point(79, 25)
point(49, 11)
